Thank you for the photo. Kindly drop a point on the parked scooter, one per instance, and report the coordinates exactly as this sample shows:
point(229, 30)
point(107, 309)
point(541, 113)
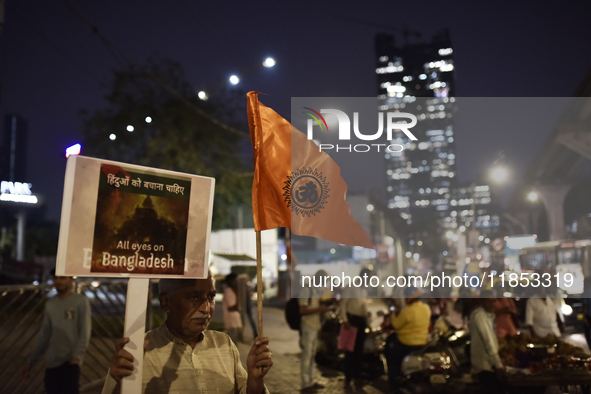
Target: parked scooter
point(442, 366)
point(372, 365)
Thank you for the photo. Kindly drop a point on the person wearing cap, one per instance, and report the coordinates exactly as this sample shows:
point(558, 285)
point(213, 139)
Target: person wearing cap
point(411, 325)
point(63, 338)
point(182, 356)
point(484, 353)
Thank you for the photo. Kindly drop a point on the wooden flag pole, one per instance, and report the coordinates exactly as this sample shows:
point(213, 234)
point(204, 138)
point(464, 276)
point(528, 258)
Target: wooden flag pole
point(259, 285)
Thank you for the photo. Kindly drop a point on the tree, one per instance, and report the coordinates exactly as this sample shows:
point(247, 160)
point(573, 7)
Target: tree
point(172, 129)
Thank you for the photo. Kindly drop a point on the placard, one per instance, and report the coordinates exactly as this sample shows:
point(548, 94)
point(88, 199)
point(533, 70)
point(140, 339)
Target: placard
point(121, 220)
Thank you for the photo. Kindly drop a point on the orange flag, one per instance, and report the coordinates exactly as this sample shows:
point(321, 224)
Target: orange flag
point(295, 185)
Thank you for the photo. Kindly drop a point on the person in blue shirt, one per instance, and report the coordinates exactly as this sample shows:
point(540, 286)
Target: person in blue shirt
point(63, 338)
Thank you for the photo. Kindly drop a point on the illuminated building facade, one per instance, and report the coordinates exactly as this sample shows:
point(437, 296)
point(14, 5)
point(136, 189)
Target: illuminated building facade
point(421, 180)
point(464, 200)
point(419, 78)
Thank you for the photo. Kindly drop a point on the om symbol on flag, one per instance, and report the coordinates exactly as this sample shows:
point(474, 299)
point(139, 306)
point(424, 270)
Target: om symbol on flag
point(306, 191)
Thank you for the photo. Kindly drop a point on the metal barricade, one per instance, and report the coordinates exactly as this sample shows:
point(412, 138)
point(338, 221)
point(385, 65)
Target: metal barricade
point(21, 314)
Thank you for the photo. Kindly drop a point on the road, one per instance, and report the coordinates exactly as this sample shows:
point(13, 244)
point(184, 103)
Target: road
point(284, 377)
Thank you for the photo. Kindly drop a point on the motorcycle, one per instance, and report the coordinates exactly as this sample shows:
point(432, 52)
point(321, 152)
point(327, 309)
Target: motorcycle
point(372, 364)
point(442, 366)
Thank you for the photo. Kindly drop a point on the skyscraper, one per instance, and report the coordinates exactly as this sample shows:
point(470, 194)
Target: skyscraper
point(419, 78)
point(421, 180)
point(13, 153)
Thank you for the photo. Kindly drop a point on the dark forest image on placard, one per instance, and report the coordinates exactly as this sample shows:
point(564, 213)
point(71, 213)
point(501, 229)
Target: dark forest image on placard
point(141, 223)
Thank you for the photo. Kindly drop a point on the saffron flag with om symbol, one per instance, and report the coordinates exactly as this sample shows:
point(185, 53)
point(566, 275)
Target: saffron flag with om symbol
point(296, 185)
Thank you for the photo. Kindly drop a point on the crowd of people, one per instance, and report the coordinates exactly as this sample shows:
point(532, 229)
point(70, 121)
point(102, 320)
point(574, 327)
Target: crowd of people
point(414, 320)
point(176, 352)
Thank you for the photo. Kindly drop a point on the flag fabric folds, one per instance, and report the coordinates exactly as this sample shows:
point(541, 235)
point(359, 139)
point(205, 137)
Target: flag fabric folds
point(296, 185)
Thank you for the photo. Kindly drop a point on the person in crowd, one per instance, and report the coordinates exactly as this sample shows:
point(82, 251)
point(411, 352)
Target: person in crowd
point(249, 292)
point(438, 306)
point(63, 338)
point(507, 320)
point(231, 309)
point(466, 302)
point(586, 298)
point(484, 353)
point(411, 332)
point(311, 311)
point(453, 319)
point(354, 312)
point(541, 315)
point(182, 356)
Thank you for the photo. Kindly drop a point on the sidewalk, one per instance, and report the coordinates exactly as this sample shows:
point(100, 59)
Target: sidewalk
point(284, 377)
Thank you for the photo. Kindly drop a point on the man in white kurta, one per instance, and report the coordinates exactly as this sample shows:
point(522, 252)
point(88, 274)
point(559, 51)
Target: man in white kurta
point(484, 354)
point(540, 316)
point(182, 356)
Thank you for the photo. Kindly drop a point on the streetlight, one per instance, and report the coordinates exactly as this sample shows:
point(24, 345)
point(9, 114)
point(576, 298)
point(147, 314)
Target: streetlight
point(532, 196)
point(499, 174)
point(234, 80)
point(269, 62)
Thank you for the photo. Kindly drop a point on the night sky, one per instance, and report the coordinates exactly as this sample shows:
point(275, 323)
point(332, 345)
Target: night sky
point(52, 64)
